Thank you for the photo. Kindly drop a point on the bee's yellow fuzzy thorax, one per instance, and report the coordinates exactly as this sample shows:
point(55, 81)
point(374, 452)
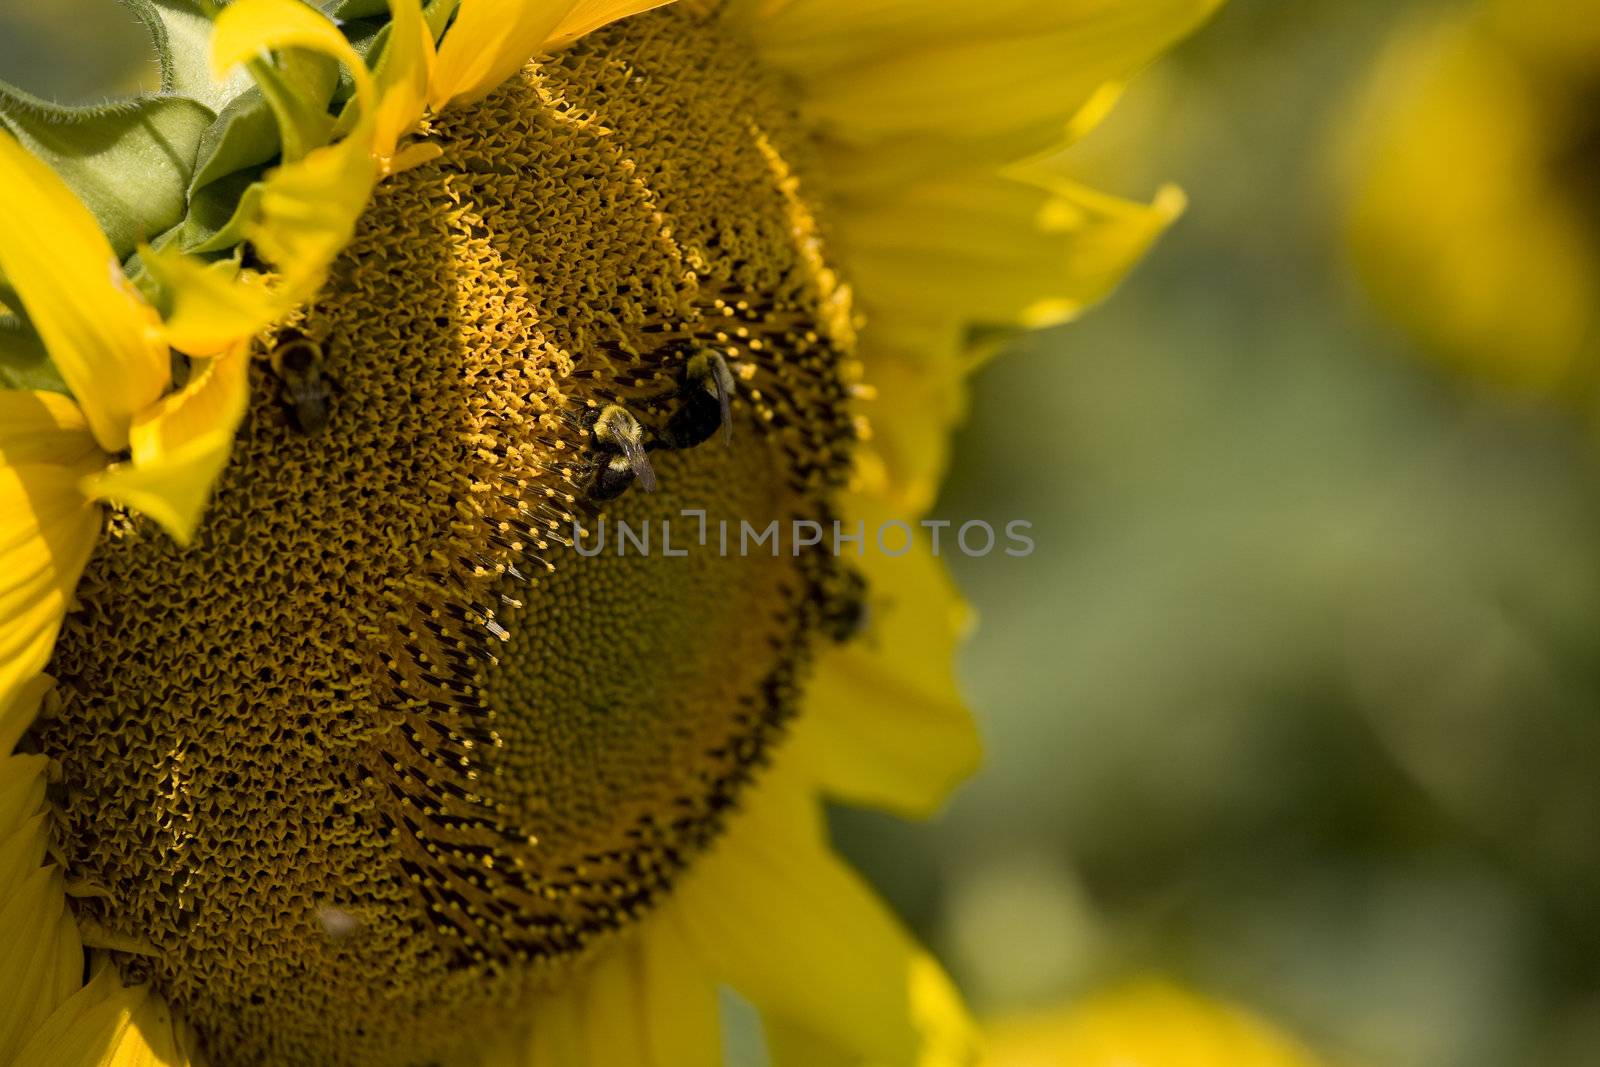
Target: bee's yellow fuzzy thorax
point(382, 753)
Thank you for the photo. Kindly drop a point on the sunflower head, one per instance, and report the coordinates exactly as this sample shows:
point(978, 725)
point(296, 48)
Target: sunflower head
point(482, 750)
point(439, 667)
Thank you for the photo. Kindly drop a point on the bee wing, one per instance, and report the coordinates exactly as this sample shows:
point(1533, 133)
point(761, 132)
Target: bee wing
point(640, 462)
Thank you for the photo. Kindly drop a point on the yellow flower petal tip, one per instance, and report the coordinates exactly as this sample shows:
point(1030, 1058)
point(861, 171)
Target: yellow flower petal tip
point(1150, 1023)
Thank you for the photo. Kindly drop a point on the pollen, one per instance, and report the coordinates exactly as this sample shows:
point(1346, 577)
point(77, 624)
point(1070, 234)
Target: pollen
point(384, 753)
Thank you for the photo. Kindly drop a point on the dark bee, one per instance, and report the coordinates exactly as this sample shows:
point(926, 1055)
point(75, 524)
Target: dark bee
point(304, 387)
point(707, 402)
point(846, 612)
point(611, 479)
point(620, 443)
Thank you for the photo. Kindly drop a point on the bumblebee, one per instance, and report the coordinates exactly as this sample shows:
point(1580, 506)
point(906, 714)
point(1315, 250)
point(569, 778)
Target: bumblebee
point(621, 457)
point(304, 387)
point(611, 479)
point(706, 395)
point(846, 612)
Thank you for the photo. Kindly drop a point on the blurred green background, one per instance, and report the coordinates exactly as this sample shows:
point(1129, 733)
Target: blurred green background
point(1297, 700)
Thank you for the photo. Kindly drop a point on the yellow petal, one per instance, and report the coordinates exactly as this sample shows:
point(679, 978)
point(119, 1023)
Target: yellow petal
point(492, 39)
point(557, 1033)
point(246, 28)
point(645, 1002)
point(403, 76)
point(43, 428)
point(22, 801)
point(964, 250)
point(107, 1024)
point(105, 341)
point(681, 1021)
point(913, 409)
point(307, 212)
point(1011, 73)
point(991, 250)
point(587, 16)
point(884, 724)
point(213, 306)
point(489, 41)
point(41, 958)
point(777, 917)
point(613, 1024)
point(180, 447)
point(412, 155)
point(47, 527)
point(35, 933)
point(790, 1045)
point(16, 716)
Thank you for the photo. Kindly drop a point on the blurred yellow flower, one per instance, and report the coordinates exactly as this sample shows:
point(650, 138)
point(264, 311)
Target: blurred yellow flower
point(1146, 1024)
point(376, 768)
point(1475, 170)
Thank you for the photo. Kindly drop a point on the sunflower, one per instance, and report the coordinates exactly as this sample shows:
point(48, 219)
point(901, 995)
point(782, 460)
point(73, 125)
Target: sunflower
point(1148, 1023)
point(1475, 192)
point(328, 740)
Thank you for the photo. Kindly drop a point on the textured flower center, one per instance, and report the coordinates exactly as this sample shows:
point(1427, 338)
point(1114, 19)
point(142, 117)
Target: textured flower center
point(382, 753)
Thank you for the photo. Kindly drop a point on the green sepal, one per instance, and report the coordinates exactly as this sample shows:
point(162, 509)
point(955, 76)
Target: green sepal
point(248, 132)
point(298, 86)
point(244, 135)
point(368, 37)
point(218, 213)
point(24, 363)
point(129, 162)
point(181, 33)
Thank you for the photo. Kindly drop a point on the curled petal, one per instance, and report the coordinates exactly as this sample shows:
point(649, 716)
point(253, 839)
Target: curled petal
point(403, 76)
point(212, 306)
point(304, 213)
point(180, 447)
point(247, 27)
point(103, 338)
